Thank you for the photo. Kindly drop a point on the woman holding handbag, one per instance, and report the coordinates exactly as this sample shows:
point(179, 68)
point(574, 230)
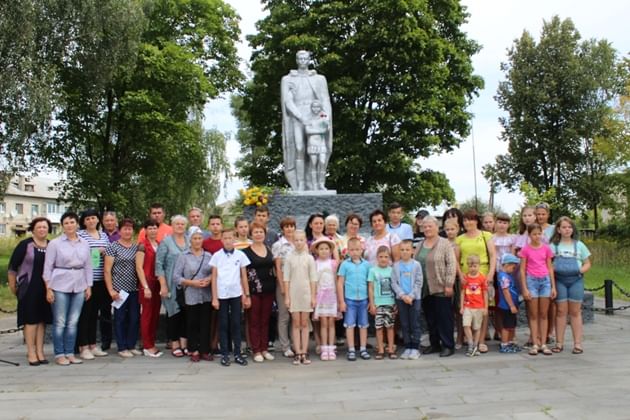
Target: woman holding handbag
point(192, 274)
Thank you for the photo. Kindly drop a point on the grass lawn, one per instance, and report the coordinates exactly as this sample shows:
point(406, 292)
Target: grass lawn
point(597, 274)
point(7, 300)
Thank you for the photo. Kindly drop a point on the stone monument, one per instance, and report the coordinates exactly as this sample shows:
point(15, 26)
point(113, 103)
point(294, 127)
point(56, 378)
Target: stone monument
point(307, 134)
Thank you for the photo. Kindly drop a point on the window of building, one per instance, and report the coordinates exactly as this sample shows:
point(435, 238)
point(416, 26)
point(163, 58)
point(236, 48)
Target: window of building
point(34, 210)
point(3, 228)
point(3, 207)
point(29, 188)
point(52, 208)
point(19, 208)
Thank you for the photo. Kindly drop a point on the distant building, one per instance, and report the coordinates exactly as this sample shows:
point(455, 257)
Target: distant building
point(27, 198)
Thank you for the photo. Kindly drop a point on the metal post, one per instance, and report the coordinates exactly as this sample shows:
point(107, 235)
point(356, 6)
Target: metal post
point(608, 296)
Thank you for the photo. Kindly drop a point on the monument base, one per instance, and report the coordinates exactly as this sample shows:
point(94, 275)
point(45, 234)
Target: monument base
point(304, 203)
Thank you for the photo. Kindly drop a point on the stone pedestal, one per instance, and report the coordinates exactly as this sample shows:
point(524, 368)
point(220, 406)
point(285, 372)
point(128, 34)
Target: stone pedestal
point(302, 205)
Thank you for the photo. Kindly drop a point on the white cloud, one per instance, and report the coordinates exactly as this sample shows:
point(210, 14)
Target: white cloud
point(495, 24)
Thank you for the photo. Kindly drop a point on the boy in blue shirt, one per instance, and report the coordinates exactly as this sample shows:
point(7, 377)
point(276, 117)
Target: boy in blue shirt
point(508, 302)
point(352, 294)
point(382, 302)
point(407, 284)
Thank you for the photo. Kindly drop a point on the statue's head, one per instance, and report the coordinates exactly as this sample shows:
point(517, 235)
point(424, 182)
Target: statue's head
point(316, 107)
point(303, 59)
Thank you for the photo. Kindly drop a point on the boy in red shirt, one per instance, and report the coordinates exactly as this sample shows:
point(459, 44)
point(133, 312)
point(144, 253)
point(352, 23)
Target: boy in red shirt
point(474, 296)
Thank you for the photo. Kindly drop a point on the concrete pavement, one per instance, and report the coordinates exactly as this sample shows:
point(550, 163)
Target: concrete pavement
point(594, 385)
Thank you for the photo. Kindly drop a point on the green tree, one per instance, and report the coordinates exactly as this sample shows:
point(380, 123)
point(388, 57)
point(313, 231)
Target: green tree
point(400, 78)
point(26, 93)
point(133, 84)
point(557, 95)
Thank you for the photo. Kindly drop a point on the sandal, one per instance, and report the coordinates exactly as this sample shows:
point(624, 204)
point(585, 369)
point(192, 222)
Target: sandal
point(393, 355)
point(379, 356)
point(557, 348)
point(483, 348)
point(533, 351)
point(296, 359)
point(577, 350)
point(546, 350)
point(177, 352)
point(305, 359)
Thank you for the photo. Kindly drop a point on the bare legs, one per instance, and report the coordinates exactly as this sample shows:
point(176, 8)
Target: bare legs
point(574, 310)
point(34, 337)
point(299, 331)
point(537, 311)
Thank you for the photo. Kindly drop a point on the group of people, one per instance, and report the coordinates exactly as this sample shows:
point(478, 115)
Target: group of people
point(463, 274)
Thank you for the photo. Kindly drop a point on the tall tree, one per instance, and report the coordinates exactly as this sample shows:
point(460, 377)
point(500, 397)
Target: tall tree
point(557, 95)
point(26, 83)
point(400, 78)
point(133, 83)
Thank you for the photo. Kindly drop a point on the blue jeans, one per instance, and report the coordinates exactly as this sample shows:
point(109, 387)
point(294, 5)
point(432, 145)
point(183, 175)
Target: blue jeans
point(66, 311)
point(127, 322)
point(410, 323)
point(539, 287)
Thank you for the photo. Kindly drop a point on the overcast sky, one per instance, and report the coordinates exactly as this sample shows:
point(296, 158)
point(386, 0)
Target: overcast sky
point(495, 24)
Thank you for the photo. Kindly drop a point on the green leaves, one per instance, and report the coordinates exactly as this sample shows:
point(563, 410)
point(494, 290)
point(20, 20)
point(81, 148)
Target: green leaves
point(557, 94)
point(400, 79)
point(131, 79)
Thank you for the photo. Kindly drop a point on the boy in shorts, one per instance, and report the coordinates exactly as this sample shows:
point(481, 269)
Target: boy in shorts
point(352, 295)
point(508, 302)
point(474, 298)
point(382, 302)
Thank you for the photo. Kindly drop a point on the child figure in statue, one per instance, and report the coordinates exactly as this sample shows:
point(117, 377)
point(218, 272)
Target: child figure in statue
point(317, 147)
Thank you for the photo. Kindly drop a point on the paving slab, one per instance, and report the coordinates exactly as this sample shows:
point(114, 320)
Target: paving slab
point(492, 386)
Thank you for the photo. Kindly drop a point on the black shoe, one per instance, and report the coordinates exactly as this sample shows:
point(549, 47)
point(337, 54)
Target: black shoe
point(240, 360)
point(225, 361)
point(105, 346)
point(446, 352)
point(37, 363)
point(43, 362)
point(430, 350)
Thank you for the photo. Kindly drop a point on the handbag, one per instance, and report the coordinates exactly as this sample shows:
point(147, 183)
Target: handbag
point(180, 296)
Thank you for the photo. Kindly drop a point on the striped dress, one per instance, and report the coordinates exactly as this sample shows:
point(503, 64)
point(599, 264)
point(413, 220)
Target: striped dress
point(96, 245)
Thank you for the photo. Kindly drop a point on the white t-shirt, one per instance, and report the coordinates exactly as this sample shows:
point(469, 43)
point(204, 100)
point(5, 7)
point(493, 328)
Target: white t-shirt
point(403, 231)
point(229, 272)
point(372, 245)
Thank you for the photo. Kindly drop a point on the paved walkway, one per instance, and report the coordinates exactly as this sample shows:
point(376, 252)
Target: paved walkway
point(594, 385)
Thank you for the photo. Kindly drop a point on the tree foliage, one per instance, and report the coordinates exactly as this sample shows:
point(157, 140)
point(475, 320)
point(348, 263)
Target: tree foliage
point(132, 79)
point(557, 95)
point(400, 78)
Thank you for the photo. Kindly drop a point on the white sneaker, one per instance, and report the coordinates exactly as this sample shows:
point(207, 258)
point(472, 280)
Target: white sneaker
point(414, 354)
point(268, 356)
point(98, 352)
point(136, 352)
point(86, 354)
point(125, 354)
point(154, 355)
point(405, 354)
point(288, 353)
point(258, 358)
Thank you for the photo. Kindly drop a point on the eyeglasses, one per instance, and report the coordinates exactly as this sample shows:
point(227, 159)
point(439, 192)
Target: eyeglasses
point(542, 206)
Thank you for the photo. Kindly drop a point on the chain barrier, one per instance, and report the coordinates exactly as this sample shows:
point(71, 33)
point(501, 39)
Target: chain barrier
point(11, 330)
point(619, 308)
point(595, 289)
point(8, 311)
point(621, 290)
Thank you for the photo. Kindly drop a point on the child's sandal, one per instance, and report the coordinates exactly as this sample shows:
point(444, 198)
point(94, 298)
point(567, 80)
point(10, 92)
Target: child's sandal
point(546, 350)
point(393, 356)
point(533, 351)
point(296, 359)
point(379, 356)
point(557, 348)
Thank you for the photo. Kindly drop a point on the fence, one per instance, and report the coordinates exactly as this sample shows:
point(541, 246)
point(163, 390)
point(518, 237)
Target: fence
point(609, 307)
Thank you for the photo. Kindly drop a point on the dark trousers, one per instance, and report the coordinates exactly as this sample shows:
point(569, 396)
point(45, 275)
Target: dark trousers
point(410, 323)
point(198, 321)
point(99, 305)
point(259, 317)
point(176, 326)
point(127, 323)
point(230, 325)
point(438, 311)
